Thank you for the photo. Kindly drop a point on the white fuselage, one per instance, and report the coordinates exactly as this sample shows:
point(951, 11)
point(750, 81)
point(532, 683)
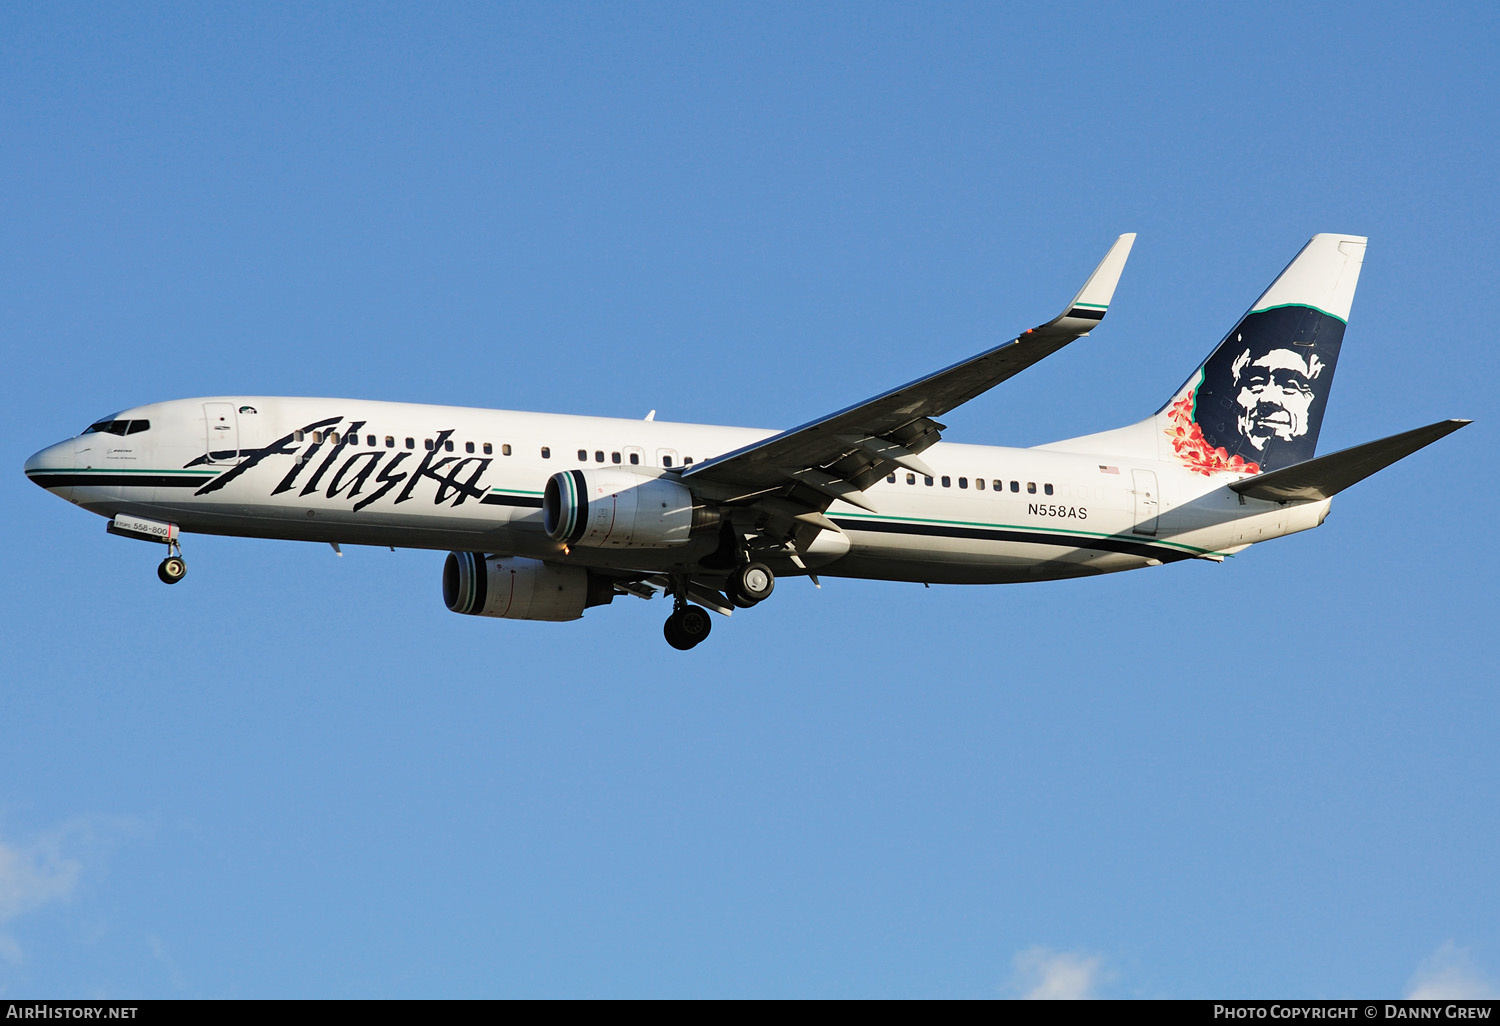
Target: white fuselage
point(441, 477)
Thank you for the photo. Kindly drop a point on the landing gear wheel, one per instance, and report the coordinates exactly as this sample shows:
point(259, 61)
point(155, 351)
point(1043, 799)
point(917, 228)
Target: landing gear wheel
point(686, 627)
point(750, 584)
point(172, 570)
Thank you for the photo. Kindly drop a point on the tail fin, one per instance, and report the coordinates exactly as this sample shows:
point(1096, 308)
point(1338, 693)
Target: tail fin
point(1256, 404)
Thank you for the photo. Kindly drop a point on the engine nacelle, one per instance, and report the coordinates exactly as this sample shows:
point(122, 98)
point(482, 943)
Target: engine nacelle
point(616, 508)
point(519, 588)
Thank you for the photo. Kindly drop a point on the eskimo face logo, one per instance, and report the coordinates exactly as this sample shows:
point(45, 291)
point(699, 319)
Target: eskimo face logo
point(1257, 402)
point(1275, 395)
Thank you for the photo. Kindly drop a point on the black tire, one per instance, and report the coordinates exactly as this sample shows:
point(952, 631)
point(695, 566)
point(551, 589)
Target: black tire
point(172, 570)
point(752, 582)
point(687, 627)
point(673, 636)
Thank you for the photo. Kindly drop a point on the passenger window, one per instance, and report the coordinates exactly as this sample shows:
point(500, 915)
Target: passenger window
point(927, 481)
point(1047, 488)
point(666, 461)
point(911, 479)
point(979, 483)
point(687, 461)
point(427, 443)
point(598, 455)
point(333, 438)
point(1015, 486)
point(370, 441)
point(1031, 487)
point(635, 458)
point(963, 482)
point(317, 437)
point(448, 445)
point(546, 452)
point(468, 447)
point(614, 457)
point(890, 479)
point(411, 443)
point(390, 441)
point(947, 481)
point(297, 435)
point(583, 455)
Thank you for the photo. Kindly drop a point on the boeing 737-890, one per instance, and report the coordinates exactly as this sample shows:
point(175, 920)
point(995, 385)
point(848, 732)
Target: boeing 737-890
point(546, 515)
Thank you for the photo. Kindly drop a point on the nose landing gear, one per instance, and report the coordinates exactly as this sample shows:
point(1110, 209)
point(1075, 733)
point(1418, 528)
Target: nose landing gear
point(172, 569)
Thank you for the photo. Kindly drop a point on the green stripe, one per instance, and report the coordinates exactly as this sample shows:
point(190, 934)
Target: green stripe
point(1305, 306)
point(1031, 527)
point(119, 470)
point(1092, 306)
point(514, 491)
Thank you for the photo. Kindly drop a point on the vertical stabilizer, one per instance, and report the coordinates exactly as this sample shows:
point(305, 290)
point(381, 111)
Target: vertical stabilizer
point(1257, 402)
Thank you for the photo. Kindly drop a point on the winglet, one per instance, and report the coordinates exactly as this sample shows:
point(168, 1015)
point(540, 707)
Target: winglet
point(1088, 307)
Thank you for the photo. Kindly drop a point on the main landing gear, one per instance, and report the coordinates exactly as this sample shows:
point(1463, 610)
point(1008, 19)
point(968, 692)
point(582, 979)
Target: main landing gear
point(687, 626)
point(749, 585)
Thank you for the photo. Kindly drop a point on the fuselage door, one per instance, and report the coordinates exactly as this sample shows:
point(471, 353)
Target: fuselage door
point(1147, 501)
point(222, 426)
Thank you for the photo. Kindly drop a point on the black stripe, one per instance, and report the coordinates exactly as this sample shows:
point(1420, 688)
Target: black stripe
point(1084, 313)
point(68, 479)
point(528, 501)
point(1026, 537)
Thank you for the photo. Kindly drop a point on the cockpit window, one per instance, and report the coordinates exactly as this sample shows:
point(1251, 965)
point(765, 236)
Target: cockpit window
point(119, 427)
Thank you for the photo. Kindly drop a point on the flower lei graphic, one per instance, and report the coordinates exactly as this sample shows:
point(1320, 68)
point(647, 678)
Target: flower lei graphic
point(1193, 449)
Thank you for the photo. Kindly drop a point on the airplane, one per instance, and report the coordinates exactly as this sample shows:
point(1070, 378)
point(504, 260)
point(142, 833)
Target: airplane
point(546, 515)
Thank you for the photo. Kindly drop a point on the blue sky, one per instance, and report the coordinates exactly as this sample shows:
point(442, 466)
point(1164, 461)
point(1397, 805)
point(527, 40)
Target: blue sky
point(299, 775)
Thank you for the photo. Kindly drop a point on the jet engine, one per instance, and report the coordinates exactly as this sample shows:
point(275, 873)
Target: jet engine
point(617, 508)
point(520, 589)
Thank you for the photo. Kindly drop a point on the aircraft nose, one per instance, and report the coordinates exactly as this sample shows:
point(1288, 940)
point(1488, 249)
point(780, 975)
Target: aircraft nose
point(48, 467)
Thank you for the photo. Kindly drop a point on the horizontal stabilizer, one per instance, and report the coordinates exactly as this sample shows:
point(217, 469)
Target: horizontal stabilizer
point(1328, 475)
